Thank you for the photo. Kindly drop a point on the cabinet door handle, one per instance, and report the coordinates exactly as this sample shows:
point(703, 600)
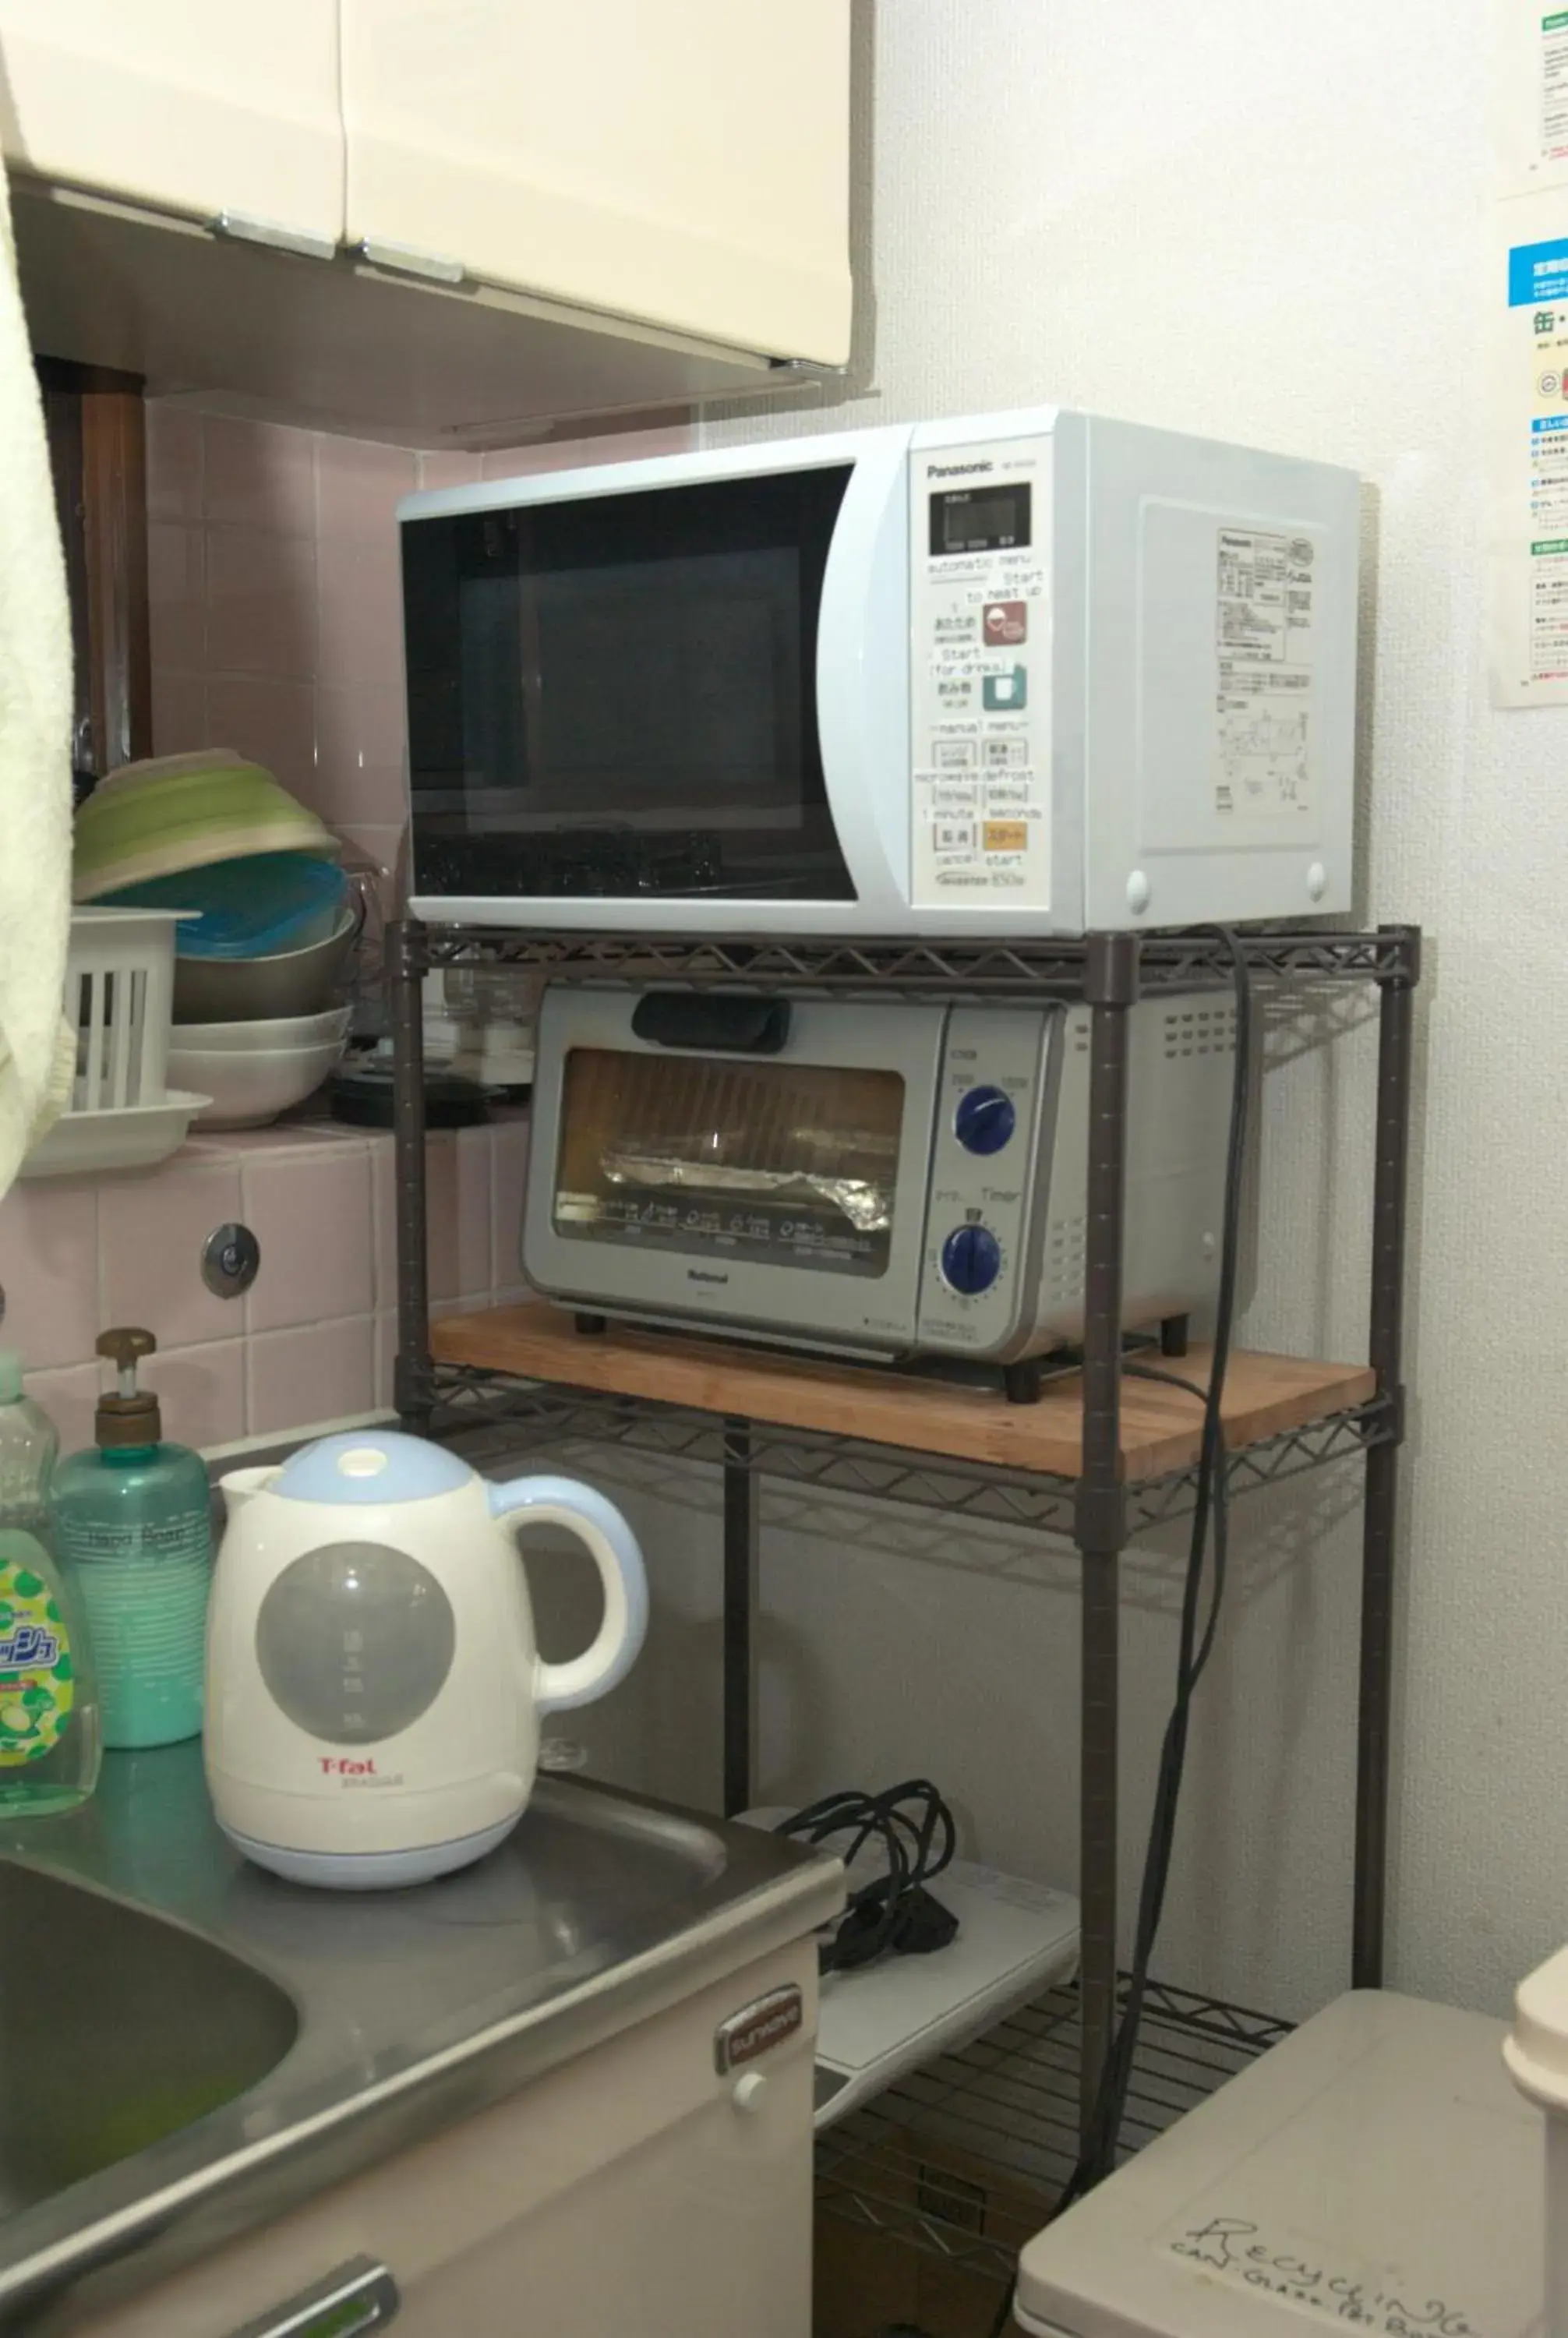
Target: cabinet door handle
point(275, 235)
point(359, 2295)
point(408, 260)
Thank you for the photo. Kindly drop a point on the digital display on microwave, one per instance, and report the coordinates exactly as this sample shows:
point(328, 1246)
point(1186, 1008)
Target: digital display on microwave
point(980, 519)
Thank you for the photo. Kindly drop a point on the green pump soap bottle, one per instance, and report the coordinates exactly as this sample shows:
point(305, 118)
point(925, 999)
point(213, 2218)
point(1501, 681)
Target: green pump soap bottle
point(49, 1736)
point(133, 1517)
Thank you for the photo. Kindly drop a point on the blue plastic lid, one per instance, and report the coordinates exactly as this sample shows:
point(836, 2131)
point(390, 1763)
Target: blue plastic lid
point(255, 907)
point(369, 1465)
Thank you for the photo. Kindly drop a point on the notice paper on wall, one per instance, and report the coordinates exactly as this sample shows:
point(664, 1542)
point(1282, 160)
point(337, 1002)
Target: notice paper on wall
point(1531, 101)
point(1528, 535)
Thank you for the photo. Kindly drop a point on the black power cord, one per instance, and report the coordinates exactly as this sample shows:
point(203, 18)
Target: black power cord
point(1196, 1643)
point(892, 1911)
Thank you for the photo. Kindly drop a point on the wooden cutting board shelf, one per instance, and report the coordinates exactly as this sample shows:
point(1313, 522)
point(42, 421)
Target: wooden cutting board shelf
point(1265, 1396)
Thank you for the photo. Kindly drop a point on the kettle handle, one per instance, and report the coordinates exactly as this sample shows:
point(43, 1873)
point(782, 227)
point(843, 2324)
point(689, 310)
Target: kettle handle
point(610, 1542)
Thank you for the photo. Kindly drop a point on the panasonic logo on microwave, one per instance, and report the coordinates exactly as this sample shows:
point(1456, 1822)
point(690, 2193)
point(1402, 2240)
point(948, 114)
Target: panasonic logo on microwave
point(955, 470)
point(702, 1274)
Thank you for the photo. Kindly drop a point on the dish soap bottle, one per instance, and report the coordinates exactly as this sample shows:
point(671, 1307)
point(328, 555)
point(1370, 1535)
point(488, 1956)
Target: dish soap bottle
point(134, 1519)
point(49, 1735)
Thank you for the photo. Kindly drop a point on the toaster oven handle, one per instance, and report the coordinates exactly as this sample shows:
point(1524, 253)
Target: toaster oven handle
point(717, 1024)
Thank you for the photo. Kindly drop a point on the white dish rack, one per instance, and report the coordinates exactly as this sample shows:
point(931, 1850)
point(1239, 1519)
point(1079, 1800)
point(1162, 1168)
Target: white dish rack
point(119, 994)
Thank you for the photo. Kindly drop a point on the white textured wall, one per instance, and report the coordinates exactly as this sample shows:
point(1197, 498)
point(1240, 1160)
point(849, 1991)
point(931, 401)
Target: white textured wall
point(1264, 224)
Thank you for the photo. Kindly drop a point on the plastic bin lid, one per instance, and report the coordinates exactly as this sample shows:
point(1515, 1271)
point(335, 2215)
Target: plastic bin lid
point(1537, 2052)
point(256, 907)
point(1375, 2170)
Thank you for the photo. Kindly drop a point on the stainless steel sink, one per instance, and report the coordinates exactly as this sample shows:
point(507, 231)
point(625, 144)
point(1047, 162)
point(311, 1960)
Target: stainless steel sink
point(160, 2092)
point(116, 2029)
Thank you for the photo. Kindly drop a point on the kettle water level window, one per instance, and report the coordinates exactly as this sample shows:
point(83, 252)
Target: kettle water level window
point(791, 1165)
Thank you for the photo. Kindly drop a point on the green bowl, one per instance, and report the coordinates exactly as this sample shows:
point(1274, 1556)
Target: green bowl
point(185, 811)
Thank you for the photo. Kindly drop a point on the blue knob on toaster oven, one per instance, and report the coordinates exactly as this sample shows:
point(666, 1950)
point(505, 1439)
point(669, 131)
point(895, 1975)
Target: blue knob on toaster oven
point(984, 1120)
point(971, 1259)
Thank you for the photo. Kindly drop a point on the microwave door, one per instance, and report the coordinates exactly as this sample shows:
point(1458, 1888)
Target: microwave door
point(864, 649)
point(779, 1194)
point(614, 696)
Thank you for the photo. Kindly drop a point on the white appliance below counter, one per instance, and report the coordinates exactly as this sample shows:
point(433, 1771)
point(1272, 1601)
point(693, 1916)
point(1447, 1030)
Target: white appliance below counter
point(567, 2091)
point(1015, 1940)
point(1375, 2170)
point(631, 2190)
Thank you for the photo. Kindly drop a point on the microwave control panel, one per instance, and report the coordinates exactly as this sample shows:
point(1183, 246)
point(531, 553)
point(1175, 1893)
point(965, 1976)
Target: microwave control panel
point(990, 1107)
point(980, 674)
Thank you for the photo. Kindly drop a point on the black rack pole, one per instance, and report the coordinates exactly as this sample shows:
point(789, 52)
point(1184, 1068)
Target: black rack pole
point(412, 1380)
point(1100, 1518)
point(1379, 1518)
point(740, 1600)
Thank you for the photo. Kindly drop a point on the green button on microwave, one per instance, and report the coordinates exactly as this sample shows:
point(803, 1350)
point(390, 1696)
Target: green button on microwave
point(1006, 694)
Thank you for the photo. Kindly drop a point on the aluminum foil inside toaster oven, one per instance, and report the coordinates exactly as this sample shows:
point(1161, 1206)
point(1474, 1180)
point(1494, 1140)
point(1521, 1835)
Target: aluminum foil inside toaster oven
point(867, 1206)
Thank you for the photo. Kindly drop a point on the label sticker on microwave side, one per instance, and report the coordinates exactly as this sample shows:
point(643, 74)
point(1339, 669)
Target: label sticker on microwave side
point(980, 674)
point(1263, 702)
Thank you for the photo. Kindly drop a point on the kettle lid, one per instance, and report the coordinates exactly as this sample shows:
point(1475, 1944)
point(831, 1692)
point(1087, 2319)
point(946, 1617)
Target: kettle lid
point(369, 1465)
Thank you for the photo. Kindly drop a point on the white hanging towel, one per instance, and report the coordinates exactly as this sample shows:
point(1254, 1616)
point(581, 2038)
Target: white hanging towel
point(37, 1047)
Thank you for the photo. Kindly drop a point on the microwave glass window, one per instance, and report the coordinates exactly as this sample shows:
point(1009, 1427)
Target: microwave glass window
point(618, 694)
point(787, 1164)
point(980, 519)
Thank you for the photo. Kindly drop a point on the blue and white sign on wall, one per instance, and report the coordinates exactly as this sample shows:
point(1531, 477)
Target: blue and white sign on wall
point(1528, 537)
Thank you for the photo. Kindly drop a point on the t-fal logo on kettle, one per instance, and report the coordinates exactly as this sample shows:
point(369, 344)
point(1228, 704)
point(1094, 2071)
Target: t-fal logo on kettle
point(350, 1773)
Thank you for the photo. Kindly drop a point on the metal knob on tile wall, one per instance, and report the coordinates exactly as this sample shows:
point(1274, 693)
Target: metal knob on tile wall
point(230, 1259)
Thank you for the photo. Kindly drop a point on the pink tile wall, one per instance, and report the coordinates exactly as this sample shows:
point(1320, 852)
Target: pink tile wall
point(276, 615)
point(272, 571)
point(315, 1338)
point(273, 574)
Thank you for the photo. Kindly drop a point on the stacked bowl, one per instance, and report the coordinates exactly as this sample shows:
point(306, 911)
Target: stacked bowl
point(269, 921)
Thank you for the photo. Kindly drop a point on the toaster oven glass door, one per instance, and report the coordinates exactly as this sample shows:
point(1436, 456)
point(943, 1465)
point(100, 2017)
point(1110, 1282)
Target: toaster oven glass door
point(616, 695)
point(781, 1163)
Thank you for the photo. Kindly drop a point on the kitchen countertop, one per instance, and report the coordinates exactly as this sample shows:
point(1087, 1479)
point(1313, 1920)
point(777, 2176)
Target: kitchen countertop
point(415, 2008)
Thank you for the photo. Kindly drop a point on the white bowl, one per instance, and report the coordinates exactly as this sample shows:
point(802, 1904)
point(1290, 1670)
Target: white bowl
point(250, 1090)
point(277, 1033)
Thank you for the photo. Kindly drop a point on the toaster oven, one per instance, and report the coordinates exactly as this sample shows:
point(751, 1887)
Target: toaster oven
point(882, 1179)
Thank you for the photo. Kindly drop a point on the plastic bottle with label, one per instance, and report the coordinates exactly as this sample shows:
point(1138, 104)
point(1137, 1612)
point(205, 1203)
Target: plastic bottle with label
point(50, 1742)
point(133, 1520)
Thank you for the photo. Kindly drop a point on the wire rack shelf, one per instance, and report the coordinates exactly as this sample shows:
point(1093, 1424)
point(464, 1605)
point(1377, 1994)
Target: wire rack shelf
point(469, 1400)
point(1019, 969)
point(917, 2165)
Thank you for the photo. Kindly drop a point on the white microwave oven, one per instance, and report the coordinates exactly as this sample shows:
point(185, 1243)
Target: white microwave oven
point(1027, 674)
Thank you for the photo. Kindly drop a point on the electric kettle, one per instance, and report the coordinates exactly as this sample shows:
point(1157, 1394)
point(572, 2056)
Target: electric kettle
point(373, 1689)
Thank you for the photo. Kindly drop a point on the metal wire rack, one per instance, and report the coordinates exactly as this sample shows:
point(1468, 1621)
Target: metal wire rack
point(913, 2166)
point(1019, 969)
point(469, 1401)
point(1035, 2068)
